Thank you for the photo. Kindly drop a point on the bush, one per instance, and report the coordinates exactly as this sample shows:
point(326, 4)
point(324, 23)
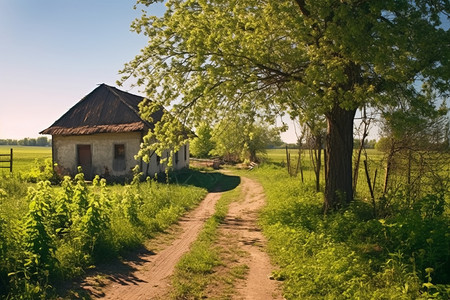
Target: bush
point(66, 229)
point(350, 254)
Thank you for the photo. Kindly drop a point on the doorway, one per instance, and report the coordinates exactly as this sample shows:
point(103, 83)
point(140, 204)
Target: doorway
point(84, 159)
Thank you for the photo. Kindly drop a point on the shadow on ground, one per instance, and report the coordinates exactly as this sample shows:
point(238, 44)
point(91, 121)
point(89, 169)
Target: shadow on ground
point(89, 286)
point(120, 272)
point(214, 182)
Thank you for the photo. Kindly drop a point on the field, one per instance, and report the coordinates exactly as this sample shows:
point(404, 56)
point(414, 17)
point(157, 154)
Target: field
point(374, 158)
point(50, 233)
point(395, 246)
point(24, 157)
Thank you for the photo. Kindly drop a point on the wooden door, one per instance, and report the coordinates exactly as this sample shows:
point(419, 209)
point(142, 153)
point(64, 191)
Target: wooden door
point(85, 159)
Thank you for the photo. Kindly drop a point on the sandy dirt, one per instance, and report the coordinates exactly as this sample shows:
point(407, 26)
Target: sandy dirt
point(147, 274)
point(150, 274)
point(241, 223)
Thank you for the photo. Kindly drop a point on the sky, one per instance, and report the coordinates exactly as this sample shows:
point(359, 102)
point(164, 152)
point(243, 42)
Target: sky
point(55, 52)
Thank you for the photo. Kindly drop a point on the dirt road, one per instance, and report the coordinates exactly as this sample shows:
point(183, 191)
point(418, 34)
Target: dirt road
point(151, 271)
point(241, 223)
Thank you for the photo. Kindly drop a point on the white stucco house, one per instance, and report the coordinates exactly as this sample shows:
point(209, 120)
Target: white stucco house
point(102, 133)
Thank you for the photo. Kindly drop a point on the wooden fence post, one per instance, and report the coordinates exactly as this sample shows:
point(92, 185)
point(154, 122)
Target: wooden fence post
point(288, 162)
point(11, 160)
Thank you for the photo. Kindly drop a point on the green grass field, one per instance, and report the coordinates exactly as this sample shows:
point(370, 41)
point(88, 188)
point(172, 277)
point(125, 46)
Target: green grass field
point(374, 158)
point(24, 157)
point(279, 155)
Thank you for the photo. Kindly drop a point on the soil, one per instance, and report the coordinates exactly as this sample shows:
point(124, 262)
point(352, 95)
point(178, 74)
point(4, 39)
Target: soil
point(147, 274)
point(241, 223)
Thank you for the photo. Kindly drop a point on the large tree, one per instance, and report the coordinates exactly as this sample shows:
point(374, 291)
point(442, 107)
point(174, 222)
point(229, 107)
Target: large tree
point(210, 58)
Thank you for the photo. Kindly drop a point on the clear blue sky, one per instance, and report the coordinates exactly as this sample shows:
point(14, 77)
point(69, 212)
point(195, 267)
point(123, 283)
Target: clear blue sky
point(54, 52)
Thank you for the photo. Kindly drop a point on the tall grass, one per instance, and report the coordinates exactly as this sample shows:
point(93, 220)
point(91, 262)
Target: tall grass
point(51, 233)
point(352, 254)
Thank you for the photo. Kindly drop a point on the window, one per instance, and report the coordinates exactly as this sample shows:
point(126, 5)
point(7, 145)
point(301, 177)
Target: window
point(177, 157)
point(158, 159)
point(119, 151)
point(185, 152)
point(119, 158)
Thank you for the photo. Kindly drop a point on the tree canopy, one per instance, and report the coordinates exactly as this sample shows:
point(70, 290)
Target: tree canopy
point(241, 138)
point(202, 144)
point(207, 59)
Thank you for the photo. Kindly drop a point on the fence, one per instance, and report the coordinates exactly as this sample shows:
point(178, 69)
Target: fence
point(7, 158)
point(214, 163)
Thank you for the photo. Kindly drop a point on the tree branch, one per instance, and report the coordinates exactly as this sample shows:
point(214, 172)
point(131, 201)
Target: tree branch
point(303, 9)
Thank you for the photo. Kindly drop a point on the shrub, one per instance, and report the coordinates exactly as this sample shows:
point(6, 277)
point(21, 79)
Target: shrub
point(351, 254)
point(56, 233)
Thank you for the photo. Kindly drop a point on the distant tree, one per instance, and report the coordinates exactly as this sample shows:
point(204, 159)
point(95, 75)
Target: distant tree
point(240, 138)
point(42, 141)
point(260, 137)
point(275, 141)
point(202, 144)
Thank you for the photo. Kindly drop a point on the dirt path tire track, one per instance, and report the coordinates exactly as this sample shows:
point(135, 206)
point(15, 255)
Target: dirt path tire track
point(241, 222)
point(151, 271)
point(150, 280)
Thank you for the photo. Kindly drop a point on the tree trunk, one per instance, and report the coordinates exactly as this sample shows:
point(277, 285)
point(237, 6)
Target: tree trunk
point(253, 157)
point(338, 183)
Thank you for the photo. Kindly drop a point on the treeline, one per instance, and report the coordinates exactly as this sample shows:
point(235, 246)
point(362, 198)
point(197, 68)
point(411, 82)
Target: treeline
point(40, 141)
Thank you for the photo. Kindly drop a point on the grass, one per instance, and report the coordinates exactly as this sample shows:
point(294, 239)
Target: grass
point(194, 272)
point(351, 254)
point(25, 157)
point(117, 218)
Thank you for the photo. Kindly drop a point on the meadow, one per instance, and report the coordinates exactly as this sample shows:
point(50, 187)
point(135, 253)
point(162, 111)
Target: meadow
point(25, 157)
point(395, 246)
point(52, 232)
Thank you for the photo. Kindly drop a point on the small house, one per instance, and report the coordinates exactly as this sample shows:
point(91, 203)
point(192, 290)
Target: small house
point(102, 133)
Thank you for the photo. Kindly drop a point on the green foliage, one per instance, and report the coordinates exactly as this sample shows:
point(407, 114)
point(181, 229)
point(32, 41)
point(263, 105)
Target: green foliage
point(66, 229)
point(209, 60)
point(240, 138)
point(350, 254)
point(202, 145)
point(42, 171)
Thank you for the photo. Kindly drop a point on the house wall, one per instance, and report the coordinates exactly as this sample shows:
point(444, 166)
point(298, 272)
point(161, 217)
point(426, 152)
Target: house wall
point(102, 151)
point(180, 163)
